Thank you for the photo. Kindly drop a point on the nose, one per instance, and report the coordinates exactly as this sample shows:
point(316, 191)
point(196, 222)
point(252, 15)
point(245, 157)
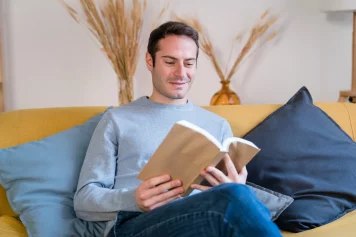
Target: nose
point(180, 71)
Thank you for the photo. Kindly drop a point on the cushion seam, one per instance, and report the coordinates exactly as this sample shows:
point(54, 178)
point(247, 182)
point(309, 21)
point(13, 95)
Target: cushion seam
point(335, 123)
point(352, 128)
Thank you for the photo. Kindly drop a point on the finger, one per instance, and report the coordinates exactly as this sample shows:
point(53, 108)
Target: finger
point(151, 183)
point(218, 175)
point(165, 201)
point(163, 188)
point(162, 197)
point(200, 187)
point(243, 171)
point(210, 178)
point(230, 167)
point(243, 176)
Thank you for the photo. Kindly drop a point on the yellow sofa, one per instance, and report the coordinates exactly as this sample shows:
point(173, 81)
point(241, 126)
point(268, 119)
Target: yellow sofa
point(18, 127)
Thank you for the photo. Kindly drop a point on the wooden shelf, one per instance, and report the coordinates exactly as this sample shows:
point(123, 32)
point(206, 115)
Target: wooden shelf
point(350, 95)
point(347, 96)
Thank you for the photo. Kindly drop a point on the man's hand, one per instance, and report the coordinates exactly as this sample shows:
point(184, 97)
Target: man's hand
point(158, 191)
point(216, 177)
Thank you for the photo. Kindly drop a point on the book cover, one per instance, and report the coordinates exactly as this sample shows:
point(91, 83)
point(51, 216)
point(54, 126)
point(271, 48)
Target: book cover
point(189, 149)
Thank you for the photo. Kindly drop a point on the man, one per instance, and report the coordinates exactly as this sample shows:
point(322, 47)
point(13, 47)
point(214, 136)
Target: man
point(125, 139)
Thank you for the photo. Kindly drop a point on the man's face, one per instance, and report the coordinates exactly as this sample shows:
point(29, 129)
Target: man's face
point(174, 70)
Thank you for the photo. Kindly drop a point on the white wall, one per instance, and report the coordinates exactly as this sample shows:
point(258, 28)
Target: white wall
point(52, 61)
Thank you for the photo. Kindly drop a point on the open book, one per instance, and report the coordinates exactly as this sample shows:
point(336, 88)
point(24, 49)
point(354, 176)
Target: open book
point(189, 149)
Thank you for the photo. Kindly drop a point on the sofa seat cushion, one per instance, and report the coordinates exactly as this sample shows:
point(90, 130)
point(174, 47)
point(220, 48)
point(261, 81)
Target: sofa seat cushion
point(343, 227)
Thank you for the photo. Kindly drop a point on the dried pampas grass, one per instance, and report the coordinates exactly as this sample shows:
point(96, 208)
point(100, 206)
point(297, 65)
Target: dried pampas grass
point(253, 43)
point(117, 26)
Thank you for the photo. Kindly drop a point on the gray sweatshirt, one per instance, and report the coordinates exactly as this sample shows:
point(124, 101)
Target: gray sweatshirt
point(122, 143)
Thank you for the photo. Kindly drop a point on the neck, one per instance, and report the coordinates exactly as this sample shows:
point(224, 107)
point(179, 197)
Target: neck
point(164, 100)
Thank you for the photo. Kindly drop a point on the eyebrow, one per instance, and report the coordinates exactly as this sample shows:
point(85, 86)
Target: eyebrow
point(173, 58)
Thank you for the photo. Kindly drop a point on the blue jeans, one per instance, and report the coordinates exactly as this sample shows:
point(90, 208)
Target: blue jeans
point(225, 210)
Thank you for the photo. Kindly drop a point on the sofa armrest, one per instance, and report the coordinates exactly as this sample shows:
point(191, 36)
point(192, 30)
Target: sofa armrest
point(11, 227)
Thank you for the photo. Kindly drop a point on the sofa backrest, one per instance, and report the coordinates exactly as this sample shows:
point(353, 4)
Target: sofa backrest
point(19, 127)
point(243, 118)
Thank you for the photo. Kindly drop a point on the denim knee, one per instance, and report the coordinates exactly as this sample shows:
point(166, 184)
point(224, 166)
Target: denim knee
point(244, 212)
point(234, 191)
point(239, 195)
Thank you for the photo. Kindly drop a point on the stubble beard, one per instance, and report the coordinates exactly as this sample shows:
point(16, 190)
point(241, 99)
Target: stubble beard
point(178, 94)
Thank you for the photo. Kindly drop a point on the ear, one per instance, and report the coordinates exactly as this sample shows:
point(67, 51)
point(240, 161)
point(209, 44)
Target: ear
point(149, 62)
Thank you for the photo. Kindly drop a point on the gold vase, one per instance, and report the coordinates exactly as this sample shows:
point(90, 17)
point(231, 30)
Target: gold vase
point(225, 96)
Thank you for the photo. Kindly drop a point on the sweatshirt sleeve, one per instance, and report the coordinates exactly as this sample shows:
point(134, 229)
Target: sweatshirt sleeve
point(95, 198)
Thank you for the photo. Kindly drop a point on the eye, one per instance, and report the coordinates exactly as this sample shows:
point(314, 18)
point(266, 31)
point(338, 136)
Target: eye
point(170, 63)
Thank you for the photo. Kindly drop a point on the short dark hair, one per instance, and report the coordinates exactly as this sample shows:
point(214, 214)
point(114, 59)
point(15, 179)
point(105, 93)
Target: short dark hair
point(170, 28)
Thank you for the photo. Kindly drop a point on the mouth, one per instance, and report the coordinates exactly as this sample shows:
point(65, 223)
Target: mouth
point(177, 83)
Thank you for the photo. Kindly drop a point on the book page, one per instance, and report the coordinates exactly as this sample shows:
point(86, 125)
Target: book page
point(202, 131)
point(228, 141)
point(241, 153)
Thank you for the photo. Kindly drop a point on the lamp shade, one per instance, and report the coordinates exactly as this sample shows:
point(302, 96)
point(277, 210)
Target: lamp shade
point(338, 5)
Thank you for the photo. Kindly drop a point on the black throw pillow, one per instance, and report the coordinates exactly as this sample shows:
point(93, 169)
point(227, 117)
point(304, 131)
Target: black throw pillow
point(306, 155)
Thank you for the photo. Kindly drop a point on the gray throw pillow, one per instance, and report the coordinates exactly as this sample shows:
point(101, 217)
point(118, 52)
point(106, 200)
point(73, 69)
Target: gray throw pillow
point(275, 202)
